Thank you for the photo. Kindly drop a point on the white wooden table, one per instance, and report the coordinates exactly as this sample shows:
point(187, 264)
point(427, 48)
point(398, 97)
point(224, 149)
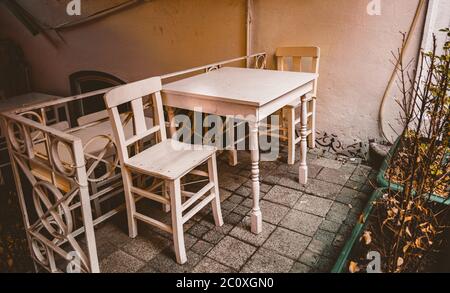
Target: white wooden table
point(251, 93)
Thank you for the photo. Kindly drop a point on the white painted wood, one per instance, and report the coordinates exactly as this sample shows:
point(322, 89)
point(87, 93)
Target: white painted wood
point(253, 94)
point(215, 204)
point(232, 152)
point(240, 85)
point(168, 160)
point(177, 221)
point(197, 196)
point(303, 168)
point(290, 115)
point(296, 54)
point(256, 215)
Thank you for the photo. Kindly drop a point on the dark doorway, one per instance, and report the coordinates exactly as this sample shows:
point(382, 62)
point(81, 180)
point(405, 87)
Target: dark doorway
point(88, 81)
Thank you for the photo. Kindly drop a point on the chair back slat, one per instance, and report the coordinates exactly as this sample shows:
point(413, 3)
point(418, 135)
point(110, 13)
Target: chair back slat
point(297, 56)
point(133, 93)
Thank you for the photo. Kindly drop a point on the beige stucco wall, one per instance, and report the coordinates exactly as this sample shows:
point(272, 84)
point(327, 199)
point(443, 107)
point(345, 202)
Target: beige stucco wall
point(355, 54)
point(167, 35)
point(153, 38)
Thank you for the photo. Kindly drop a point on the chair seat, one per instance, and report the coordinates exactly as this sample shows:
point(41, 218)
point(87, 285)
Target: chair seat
point(170, 159)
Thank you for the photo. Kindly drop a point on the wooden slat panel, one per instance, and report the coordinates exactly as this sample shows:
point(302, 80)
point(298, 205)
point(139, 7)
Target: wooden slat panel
point(298, 51)
point(142, 135)
point(198, 195)
point(149, 195)
point(198, 207)
point(153, 222)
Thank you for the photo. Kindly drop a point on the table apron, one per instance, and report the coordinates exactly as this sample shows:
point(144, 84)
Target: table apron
point(224, 108)
point(277, 104)
point(209, 106)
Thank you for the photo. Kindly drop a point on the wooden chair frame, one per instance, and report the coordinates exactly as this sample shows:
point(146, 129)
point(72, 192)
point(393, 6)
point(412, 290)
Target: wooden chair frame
point(133, 93)
point(288, 119)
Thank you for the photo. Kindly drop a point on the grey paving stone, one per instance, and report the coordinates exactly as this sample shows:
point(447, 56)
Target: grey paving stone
point(357, 204)
point(283, 195)
point(231, 181)
point(300, 268)
point(228, 205)
point(207, 265)
point(223, 194)
point(266, 261)
point(346, 195)
point(198, 230)
point(301, 222)
point(287, 242)
point(354, 184)
point(309, 258)
point(104, 249)
point(330, 226)
point(244, 191)
point(324, 236)
point(272, 212)
point(213, 236)
point(338, 212)
point(328, 163)
point(232, 252)
point(339, 240)
point(349, 167)
point(236, 198)
point(291, 180)
point(248, 202)
point(313, 205)
point(113, 235)
point(337, 176)
point(207, 222)
point(273, 178)
point(322, 248)
point(233, 218)
point(202, 247)
point(120, 262)
point(324, 264)
point(264, 188)
point(322, 188)
point(242, 231)
point(313, 170)
point(165, 262)
point(359, 177)
point(242, 210)
point(144, 248)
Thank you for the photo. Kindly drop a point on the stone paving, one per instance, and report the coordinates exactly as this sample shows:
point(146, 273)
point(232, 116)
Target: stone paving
point(304, 227)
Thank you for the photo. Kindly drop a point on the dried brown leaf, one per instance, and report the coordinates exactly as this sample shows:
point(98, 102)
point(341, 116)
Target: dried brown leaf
point(353, 267)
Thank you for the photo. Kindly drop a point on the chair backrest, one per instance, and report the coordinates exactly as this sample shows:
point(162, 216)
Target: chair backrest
point(133, 93)
point(89, 118)
point(297, 54)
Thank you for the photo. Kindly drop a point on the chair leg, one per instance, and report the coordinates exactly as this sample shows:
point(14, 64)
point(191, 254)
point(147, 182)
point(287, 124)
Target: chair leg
point(312, 125)
point(212, 172)
point(232, 152)
point(290, 113)
point(97, 206)
point(166, 195)
point(129, 201)
point(177, 221)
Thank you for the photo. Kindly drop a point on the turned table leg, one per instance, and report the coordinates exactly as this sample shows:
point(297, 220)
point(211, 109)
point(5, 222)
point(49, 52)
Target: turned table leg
point(303, 168)
point(256, 215)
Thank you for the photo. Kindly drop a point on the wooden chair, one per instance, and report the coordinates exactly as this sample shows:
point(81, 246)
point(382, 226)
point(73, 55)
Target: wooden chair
point(168, 160)
point(289, 121)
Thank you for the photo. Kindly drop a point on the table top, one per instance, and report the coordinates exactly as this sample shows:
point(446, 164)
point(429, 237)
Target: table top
point(240, 85)
point(25, 100)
